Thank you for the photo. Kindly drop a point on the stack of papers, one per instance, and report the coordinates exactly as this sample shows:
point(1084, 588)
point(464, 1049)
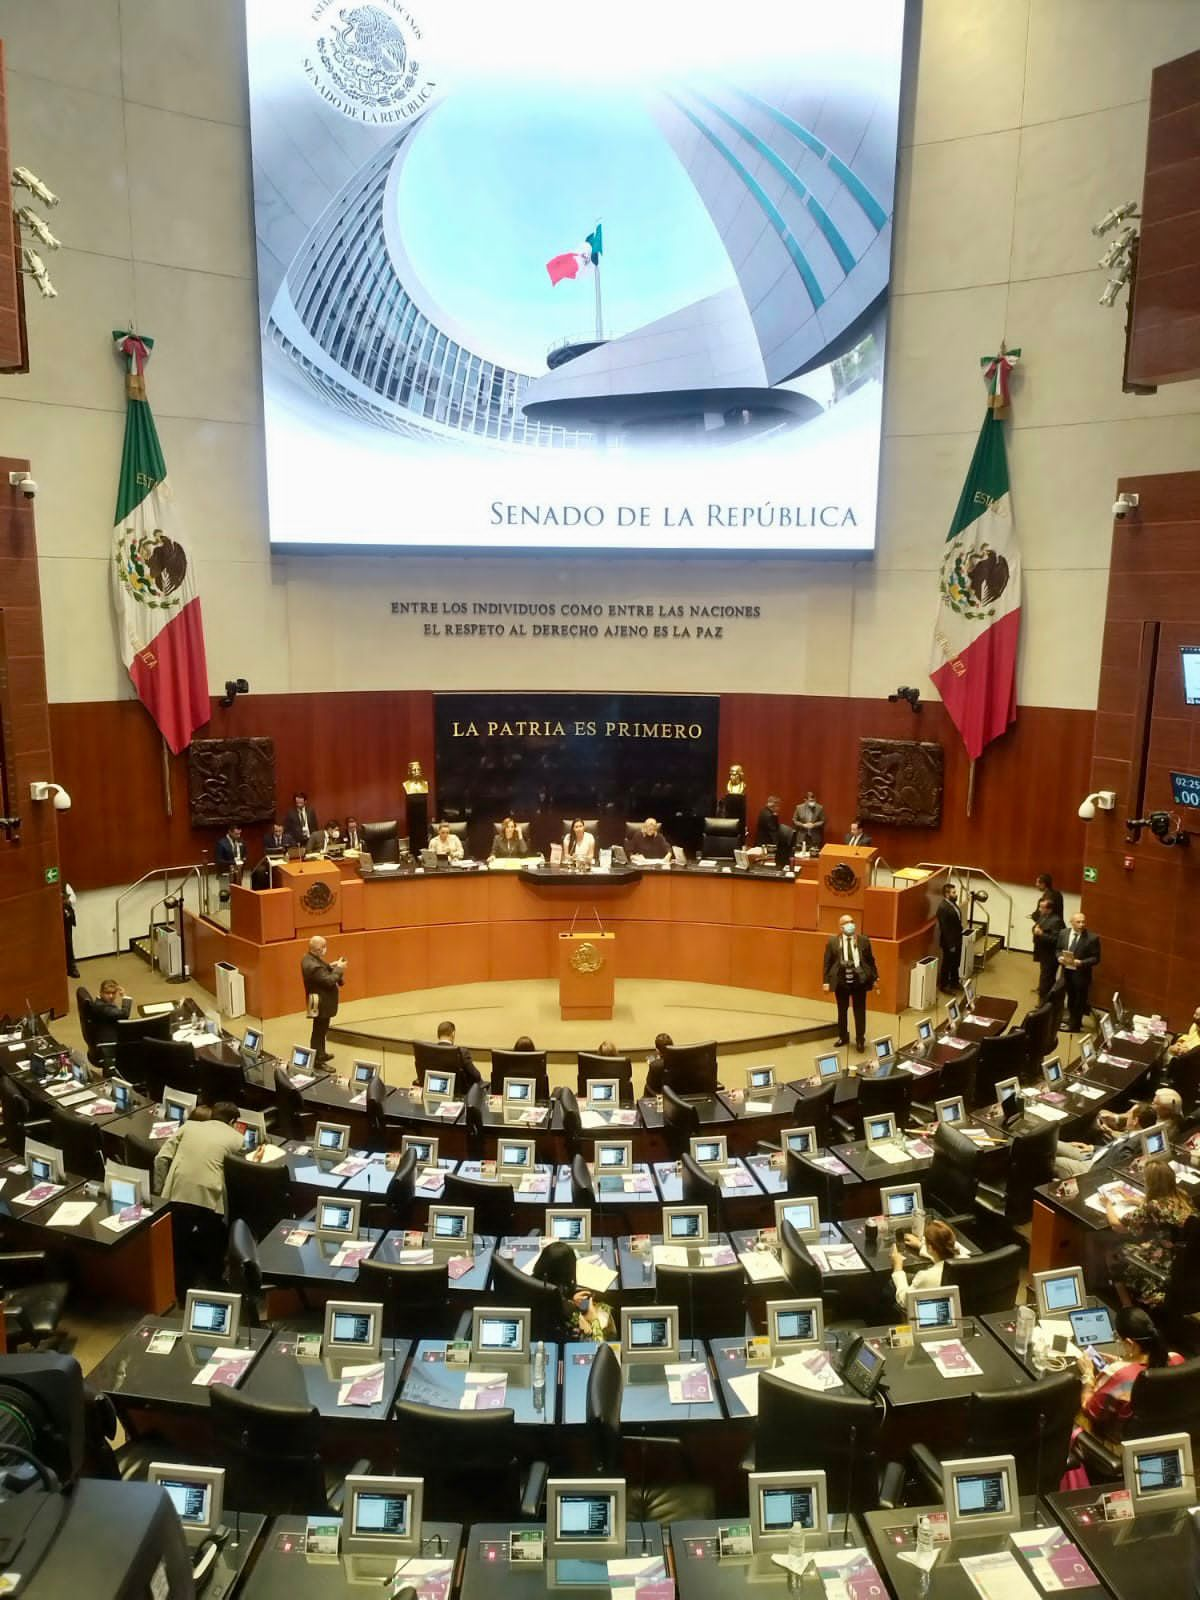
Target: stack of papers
point(762, 1266)
point(830, 1164)
point(163, 1130)
point(449, 1109)
point(352, 1251)
point(687, 1383)
point(38, 1195)
point(484, 1391)
point(1089, 1091)
point(640, 1577)
point(951, 1359)
point(846, 1574)
point(810, 1370)
point(836, 1257)
point(669, 1255)
point(592, 1273)
point(893, 1154)
point(420, 1257)
point(361, 1386)
point(97, 1108)
point(716, 1255)
point(1044, 1112)
point(225, 1365)
point(636, 1183)
point(998, 1576)
point(125, 1218)
point(1054, 1561)
point(431, 1579)
point(458, 1266)
point(955, 1044)
point(1122, 1197)
point(350, 1167)
point(736, 1177)
point(71, 1213)
point(432, 1180)
point(534, 1183)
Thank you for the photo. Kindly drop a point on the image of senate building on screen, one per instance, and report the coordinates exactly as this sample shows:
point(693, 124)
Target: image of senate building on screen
point(525, 283)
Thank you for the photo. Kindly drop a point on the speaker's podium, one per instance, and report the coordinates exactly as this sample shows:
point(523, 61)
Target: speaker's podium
point(587, 971)
point(843, 878)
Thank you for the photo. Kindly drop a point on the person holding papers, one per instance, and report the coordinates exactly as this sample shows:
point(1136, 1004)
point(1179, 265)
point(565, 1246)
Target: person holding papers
point(1107, 1397)
point(445, 843)
point(808, 819)
point(653, 845)
point(939, 1245)
point(322, 980)
point(1141, 1268)
point(1078, 956)
point(189, 1171)
point(851, 973)
point(584, 1317)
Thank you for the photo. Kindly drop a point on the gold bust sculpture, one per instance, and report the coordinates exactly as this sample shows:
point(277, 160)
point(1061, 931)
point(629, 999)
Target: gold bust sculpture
point(737, 780)
point(415, 783)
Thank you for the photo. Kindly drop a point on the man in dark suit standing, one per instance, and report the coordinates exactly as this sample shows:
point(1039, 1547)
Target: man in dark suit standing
point(1078, 956)
point(301, 820)
point(851, 973)
point(1046, 929)
point(856, 834)
point(766, 832)
point(950, 935)
point(231, 858)
point(322, 980)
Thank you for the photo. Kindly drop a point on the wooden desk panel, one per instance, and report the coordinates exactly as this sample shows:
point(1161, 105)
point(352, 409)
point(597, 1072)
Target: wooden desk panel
point(702, 899)
point(520, 949)
point(804, 903)
point(353, 904)
point(397, 959)
point(261, 915)
point(458, 953)
point(761, 958)
point(702, 953)
point(759, 903)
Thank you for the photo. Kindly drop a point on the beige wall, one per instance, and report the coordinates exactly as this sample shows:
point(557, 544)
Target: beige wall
point(1024, 120)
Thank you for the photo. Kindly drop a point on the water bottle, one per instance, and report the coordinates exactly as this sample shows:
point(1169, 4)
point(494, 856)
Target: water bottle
point(796, 1554)
point(1024, 1328)
point(539, 1375)
point(924, 1536)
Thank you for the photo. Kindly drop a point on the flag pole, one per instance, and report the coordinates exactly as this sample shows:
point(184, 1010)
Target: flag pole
point(599, 312)
point(168, 803)
point(970, 786)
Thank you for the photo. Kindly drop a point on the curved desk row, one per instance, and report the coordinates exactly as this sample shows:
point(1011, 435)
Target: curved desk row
point(405, 931)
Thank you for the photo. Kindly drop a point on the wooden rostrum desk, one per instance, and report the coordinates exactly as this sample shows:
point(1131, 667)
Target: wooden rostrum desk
point(405, 931)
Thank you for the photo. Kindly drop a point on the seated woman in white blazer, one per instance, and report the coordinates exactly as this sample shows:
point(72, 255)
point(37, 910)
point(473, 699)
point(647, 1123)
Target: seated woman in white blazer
point(579, 844)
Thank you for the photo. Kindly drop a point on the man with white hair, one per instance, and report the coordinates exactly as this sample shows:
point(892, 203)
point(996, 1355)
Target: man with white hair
point(322, 980)
point(652, 846)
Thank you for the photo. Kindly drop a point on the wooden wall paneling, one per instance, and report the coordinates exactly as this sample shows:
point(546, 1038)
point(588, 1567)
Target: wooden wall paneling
point(1164, 315)
point(398, 959)
point(13, 352)
point(520, 950)
point(761, 958)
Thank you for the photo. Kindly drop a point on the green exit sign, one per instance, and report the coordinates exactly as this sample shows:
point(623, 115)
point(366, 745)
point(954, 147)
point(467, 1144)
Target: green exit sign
point(51, 874)
point(1089, 874)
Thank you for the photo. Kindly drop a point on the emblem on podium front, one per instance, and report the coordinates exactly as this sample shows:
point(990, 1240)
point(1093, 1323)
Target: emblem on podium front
point(319, 897)
point(843, 879)
point(586, 957)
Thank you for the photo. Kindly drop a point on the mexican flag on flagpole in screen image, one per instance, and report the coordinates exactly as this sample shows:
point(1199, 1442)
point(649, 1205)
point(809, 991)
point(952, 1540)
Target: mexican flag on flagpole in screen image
point(568, 265)
point(974, 661)
point(154, 584)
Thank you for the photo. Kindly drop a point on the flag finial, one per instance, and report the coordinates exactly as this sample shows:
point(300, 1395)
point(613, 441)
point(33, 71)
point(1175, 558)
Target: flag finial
point(997, 371)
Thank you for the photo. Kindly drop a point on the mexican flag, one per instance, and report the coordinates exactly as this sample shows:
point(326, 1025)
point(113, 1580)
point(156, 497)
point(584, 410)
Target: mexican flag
point(154, 584)
point(974, 660)
point(568, 265)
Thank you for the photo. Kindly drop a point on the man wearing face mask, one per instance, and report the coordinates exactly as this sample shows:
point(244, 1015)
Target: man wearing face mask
point(851, 973)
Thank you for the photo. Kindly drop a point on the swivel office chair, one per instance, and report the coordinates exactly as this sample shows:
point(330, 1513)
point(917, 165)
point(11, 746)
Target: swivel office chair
point(272, 1455)
point(673, 1490)
point(259, 1192)
point(591, 1065)
point(986, 1282)
point(803, 1428)
point(711, 1300)
point(512, 1287)
point(952, 1178)
point(243, 1272)
point(488, 1483)
point(1030, 1164)
point(953, 1077)
point(494, 1203)
point(699, 1189)
point(681, 1123)
point(583, 1187)
point(1034, 1424)
point(875, 1097)
point(475, 1105)
point(31, 1301)
point(377, 1133)
point(16, 1115)
point(293, 1120)
point(815, 1110)
point(416, 1299)
point(722, 836)
point(1005, 1056)
point(1183, 1075)
point(804, 1176)
point(1041, 1039)
point(520, 1064)
point(572, 1122)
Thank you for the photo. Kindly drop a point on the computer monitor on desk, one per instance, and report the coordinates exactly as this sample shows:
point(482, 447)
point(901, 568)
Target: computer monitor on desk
point(779, 1501)
point(760, 1080)
point(382, 1516)
point(710, 1150)
point(612, 1156)
point(338, 1217)
point(126, 1186)
point(1158, 1473)
point(177, 1105)
point(574, 1227)
point(951, 1110)
point(982, 1498)
point(251, 1043)
point(331, 1141)
point(585, 1519)
point(903, 1207)
point(794, 1325)
point(425, 1149)
point(196, 1493)
point(44, 1162)
point(211, 1317)
point(685, 1225)
point(801, 1141)
point(934, 1313)
point(1059, 1291)
point(451, 1227)
point(353, 1330)
point(500, 1334)
point(827, 1065)
point(253, 1125)
point(804, 1214)
point(649, 1334)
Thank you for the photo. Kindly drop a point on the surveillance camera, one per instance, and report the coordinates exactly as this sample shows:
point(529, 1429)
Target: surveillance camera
point(1124, 504)
point(1087, 809)
point(62, 800)
point(25, 482)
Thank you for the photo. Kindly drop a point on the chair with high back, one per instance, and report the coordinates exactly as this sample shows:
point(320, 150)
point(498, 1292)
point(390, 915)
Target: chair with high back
point(875, 1097)
point(1004, 1056)
point(259, 1192)
point(272, 1455)
point(699, 1189)
point(800, 1271)
point(83, 1010)
point(441, 1057)
point(572, 1122)
point(243, 1273)
point(219, 1080)
point(681, 1123)
point(293, 1119)
point(953, 1077)
point(804, 1176)
point(1034, 1424)
point(847, 1303)
point(512, 1287)
point(381, 840)
point(1161, 1400)
point(1030, 1164)
point(164, 1064)
point(32, 1300)
point(952, 1178)
point(986, 1282)
point(815, 1110)
point(475, 1104)
point(583, 1186)
point(520, 1064)
point(139, 1150)
point(395, 1210)
point(678, 1495)
point(415, 1299)
point(722, 836)
point(487, 1483)
point(805, 1429)
point(593, 1065)
point(494, 1203)
point(78, 1140)
point(711, 1300)
point(691, 1068)
point(1041, 1038)
point(16, 1116)
point(377, 1132)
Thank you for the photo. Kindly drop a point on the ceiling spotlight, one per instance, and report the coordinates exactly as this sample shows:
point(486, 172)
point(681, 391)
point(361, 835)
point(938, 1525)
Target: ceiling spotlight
point(912, 696)
point(1114, 218)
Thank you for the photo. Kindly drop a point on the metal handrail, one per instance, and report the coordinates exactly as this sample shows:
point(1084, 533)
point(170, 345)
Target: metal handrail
point(979, 872)
point(156, 872)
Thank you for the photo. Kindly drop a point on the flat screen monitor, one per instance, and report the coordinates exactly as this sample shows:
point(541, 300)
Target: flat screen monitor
point(884, 1049)
point(253, 1125)
point(934, 1311)
point(880, 1128)
point(500, 1333)
point(382, 1516)
point(794, 1325)
point(438, 1085)
point(331, 1140)
point(252, 1041)
point(362, 1072)
point(710, 1151)
point(121, 1094)
point(520, 1091)
point(650, 1333)
point(1059, 1291)
point(1158, 1472)
point(902, 1202)
point(969, 994)
point(1052, 1072)
point(1087, 1051)
point(1156, 1141)
point(781, 1500)
point(800, 1141)
point(925, 1031)
point(515, 1156)
point(44, 1162)
point(337, 1217)
point(425, 1150)
point(301, 1058)
point(686, 1225)
point(603, 1093)
point(804, 1214)
point(177, 1105)
point(1189, 656)
point(953, 1013)
point(196, 1493)
point(951, 1110)
point(585, 1518)
point(1092, 1325)
point(451, 1224)
point(126, 1186)
point(827, 1065)
point(353, 1328)
point(613, 1155)
point(981, 1496)
point(211, 1317)
point(759, 1079)
point(575, 1227)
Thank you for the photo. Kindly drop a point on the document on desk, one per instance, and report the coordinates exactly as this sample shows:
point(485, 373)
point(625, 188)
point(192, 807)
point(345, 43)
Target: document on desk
point(226, 1365)
point(1044, 1112)
point(71, 1213)
point(830, 1164)
point(836, 1257)
point(458, 1266)
point(1122, 1197)
point(636, 1183)
point(431, 1579)
point(352, 1251)
point(736, 1178)
point(895, 1155)
point(39, 1194)
point(716, 1255)
point(762, 1266)
point(449, 1109)
point(955, 1044)
point(361, 1386)
point(420, 1256)
point(432, 1180)
point(592, 1272)
point(810, 1370)
point(745, 1386)
point(640, 1578)
point(1055, 1562)
point(952, 1360)
point(301, 1080)
point(1089, 1091)
point(350, 1167)
point(484, 1391)
point(669, 1255)
point(534, 1183)
point(998, 1576)
point(127, 1217)
point(688, 1383)
point(848, 1574)
point(163, 1130)
point(96, 1108)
